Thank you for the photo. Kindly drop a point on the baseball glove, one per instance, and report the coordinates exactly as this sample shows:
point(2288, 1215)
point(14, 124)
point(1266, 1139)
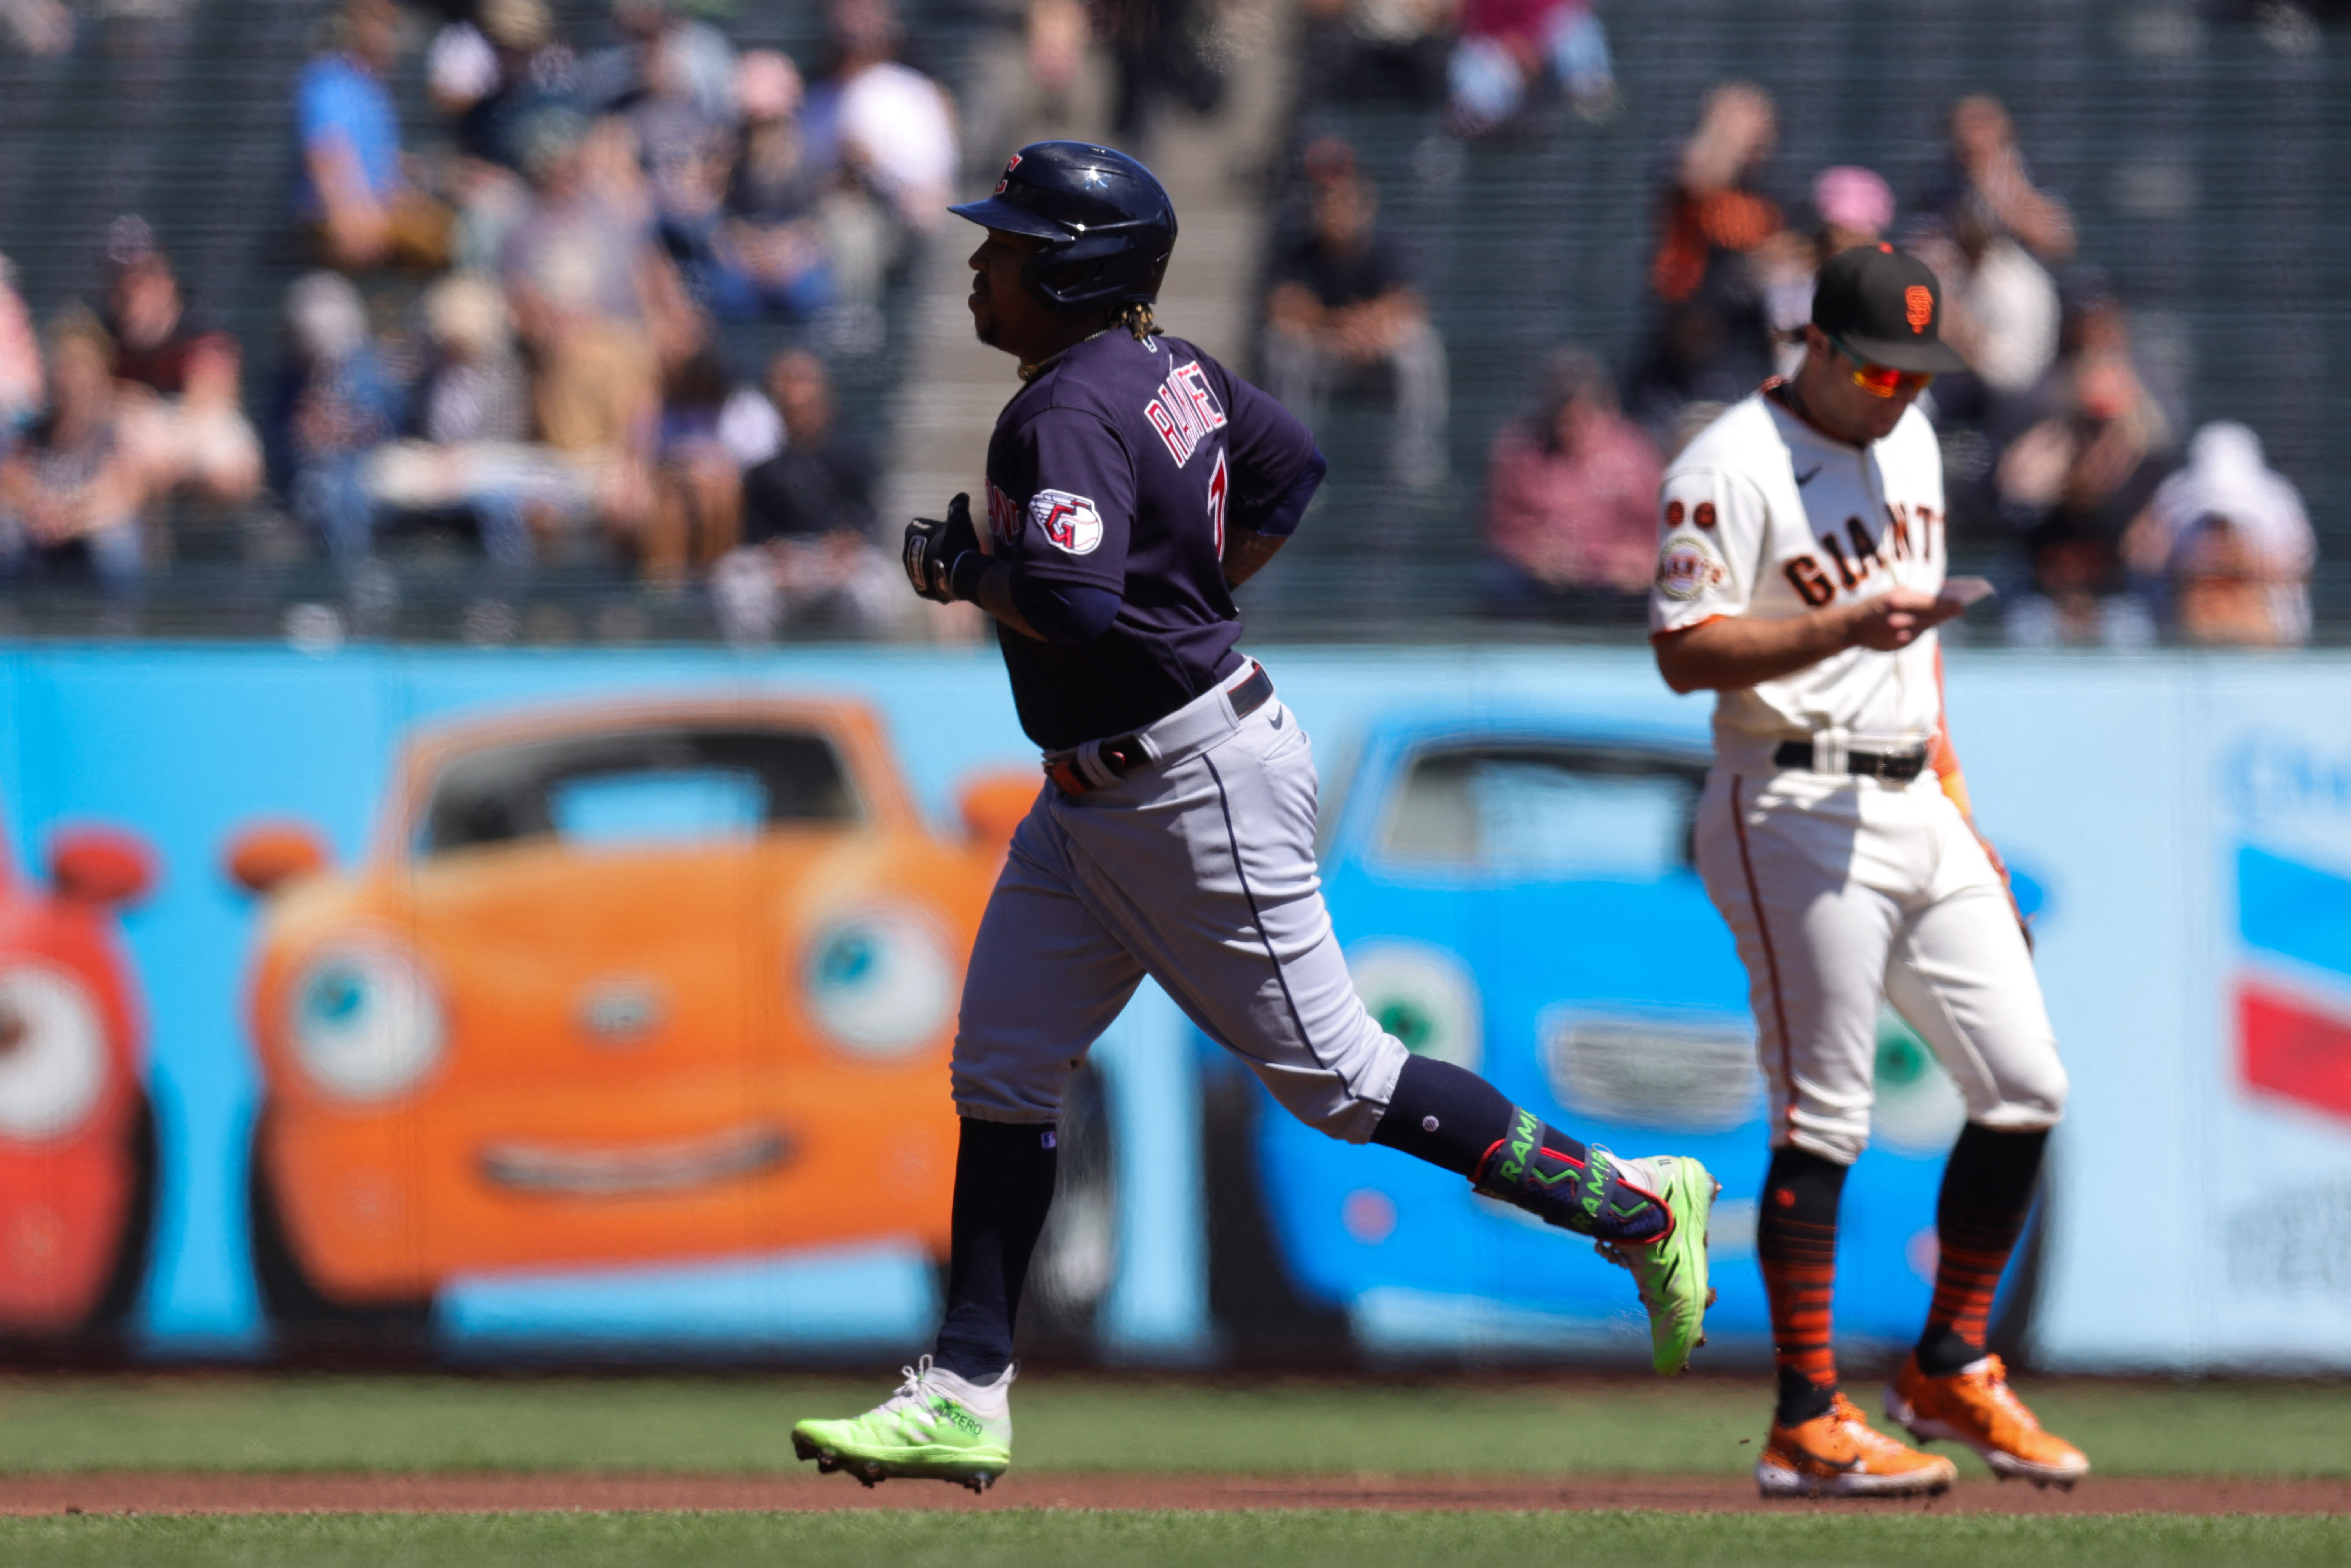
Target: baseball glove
point(933, 546)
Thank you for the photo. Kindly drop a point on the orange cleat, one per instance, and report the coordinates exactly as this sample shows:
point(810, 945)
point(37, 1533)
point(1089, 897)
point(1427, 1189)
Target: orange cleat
point(1976, 1407)
point(1839, 1454)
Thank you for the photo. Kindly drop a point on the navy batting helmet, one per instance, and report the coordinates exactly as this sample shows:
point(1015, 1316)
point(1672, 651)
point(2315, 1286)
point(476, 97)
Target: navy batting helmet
point(1106, 222)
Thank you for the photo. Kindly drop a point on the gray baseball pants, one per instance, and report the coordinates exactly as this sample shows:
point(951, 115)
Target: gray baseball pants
point(1197, 870)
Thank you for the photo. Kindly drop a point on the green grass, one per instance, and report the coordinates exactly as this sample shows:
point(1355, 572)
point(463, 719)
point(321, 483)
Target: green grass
point(1084, 1540)
point(238, 1422)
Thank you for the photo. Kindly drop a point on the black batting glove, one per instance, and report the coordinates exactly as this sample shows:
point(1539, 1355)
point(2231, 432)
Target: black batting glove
point(935, 547)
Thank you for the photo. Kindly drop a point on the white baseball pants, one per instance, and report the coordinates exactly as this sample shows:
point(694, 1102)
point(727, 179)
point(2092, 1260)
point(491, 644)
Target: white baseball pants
point(1200, 873)
point(1845, 893)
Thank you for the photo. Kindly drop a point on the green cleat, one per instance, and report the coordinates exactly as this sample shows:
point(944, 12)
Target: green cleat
point(935, 1428)
point(1670, 1271)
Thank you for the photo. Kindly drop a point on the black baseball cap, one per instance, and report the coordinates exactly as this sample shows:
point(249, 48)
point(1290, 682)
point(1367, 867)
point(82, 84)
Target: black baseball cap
point(1885, 305)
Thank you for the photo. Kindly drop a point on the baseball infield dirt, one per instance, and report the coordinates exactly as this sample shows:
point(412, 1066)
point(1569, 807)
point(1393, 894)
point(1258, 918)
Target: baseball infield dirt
point(215, 1492)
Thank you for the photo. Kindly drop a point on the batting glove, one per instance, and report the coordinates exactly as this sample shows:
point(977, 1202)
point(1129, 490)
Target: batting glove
point(935, 553)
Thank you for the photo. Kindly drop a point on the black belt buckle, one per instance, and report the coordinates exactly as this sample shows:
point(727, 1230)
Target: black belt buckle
point(1896, 767)
point(1121, 755)
point(1893, 766)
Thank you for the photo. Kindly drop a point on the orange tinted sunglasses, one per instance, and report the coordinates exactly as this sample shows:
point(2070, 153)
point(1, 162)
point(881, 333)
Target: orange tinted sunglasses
point(1881, 380)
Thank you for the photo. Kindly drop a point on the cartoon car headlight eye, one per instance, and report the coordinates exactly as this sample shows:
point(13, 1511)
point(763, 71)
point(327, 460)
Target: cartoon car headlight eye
point(1917, 1108)
point(364, 1021)
point(1424, 996)
point(52, 1053)
point(879, 982)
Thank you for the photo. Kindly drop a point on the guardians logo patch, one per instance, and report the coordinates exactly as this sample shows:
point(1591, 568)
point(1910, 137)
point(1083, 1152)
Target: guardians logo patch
point(1070, 521)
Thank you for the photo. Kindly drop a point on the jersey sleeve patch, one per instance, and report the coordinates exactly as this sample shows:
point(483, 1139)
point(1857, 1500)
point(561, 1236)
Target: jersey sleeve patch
point(1710, 527)
point(1070, 522)
point(1688, 566)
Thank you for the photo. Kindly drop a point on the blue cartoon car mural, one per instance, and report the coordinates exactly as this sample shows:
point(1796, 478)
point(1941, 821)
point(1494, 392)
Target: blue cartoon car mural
point(1518, 898)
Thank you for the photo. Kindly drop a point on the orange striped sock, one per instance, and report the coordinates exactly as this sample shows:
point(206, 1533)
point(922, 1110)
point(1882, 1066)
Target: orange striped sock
point(1795, 1241)
point(1986, 1193)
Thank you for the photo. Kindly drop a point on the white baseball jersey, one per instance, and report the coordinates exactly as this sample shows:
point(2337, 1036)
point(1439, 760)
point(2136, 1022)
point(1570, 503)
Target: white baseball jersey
point(1844, 893)
point(1763, 516)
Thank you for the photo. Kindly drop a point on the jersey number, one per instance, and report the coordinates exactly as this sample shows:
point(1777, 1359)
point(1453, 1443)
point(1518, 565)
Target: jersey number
point(1219, 482)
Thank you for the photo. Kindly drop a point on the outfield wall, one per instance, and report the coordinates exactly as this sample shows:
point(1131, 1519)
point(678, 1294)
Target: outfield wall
point(577, 1084)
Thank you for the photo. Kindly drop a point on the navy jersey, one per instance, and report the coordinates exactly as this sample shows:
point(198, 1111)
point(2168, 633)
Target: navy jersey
point(1118, 469)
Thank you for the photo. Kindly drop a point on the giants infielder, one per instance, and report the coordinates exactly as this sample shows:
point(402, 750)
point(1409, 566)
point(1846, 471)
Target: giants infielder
point(1799, 577)
point(1132, 483)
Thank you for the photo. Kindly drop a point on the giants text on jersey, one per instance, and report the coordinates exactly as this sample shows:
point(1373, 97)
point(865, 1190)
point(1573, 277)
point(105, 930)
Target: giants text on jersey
point(1764, 515)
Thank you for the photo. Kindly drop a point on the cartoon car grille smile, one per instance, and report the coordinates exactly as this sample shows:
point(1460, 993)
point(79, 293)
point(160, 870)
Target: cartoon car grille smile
point(649, 1169)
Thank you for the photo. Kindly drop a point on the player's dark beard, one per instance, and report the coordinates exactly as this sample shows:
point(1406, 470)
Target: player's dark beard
point(984, 329)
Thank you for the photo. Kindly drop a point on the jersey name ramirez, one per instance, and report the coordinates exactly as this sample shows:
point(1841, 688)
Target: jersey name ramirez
point(1183, 411)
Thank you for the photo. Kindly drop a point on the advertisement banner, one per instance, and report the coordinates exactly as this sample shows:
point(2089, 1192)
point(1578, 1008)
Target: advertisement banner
point(547, 1003)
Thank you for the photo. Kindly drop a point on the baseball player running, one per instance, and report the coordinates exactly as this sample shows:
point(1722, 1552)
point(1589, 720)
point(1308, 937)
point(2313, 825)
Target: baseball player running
point(1132, 483)
point(1799, 577)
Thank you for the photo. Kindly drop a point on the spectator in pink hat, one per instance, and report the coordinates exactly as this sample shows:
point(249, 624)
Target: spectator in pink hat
point(1854, 207)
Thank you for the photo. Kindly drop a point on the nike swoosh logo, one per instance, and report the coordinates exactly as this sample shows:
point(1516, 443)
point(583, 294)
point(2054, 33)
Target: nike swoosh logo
point(1807, 476)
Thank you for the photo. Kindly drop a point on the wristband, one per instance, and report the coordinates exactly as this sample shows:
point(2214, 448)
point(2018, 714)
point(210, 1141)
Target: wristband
point(963, 577)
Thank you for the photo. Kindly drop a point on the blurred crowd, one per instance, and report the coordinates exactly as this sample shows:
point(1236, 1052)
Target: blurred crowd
point(522, 337)
point(1487, 61)
point(541, 307)
point(110, 410)
point(2068, 462)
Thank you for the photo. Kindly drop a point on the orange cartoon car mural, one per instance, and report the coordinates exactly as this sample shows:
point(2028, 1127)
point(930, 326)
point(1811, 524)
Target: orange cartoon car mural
point(615, 985)
point(76, 1132)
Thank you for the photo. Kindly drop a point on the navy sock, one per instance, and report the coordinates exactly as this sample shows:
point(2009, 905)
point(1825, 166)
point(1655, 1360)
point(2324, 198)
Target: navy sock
point(1003, 1187)
point(1454, 1119)
point(1444, 1114)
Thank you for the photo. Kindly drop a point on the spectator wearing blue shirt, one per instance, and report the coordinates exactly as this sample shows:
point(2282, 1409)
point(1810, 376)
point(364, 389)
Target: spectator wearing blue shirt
point(354, 194)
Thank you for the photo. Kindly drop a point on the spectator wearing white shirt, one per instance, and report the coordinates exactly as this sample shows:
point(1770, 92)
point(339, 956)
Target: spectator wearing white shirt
point(2229, 540)
point(2002, 306)
point(470, 450)
point(884, 134)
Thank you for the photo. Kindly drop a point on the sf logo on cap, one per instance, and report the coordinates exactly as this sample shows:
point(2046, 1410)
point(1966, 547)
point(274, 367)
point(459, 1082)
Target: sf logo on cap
point(1918, 301)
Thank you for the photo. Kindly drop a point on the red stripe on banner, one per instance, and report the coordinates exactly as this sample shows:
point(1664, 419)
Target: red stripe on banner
point(2287, 1047)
